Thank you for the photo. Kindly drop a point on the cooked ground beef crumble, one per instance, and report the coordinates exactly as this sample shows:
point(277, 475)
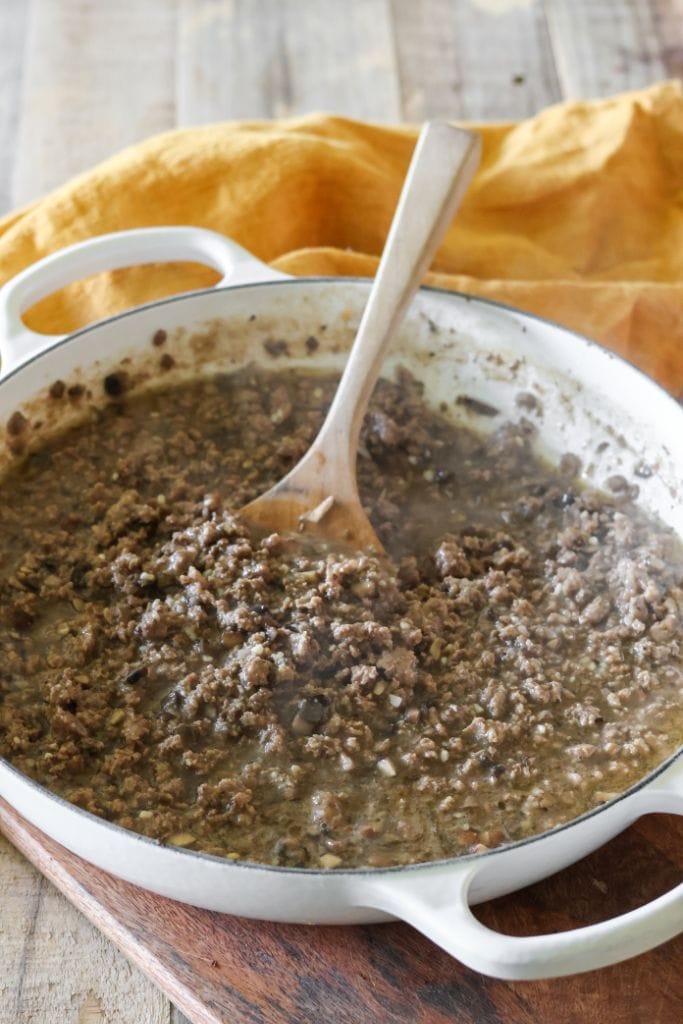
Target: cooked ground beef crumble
point(517, 661)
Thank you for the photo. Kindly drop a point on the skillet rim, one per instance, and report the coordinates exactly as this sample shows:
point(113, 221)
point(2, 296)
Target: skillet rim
point(356, 872)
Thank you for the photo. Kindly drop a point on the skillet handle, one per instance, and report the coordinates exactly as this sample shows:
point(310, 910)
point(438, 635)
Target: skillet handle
point(119, 249)
point(438, 906)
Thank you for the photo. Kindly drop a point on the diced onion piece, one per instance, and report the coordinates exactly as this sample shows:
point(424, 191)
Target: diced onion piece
point(387, 767)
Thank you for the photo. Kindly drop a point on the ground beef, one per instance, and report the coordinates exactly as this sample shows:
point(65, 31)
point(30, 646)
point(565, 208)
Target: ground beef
point(514, 662)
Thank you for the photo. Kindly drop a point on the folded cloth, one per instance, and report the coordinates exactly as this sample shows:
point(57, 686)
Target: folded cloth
point(575, 214)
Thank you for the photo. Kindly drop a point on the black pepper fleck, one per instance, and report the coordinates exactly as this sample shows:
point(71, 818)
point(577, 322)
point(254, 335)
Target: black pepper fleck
point(17, 423)
point(475, 406)
point(136, 674)
point(276, 347)
point(115, 384)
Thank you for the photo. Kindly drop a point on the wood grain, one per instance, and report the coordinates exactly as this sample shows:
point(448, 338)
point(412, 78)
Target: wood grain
point(56, 967)
point(668, 19)
point(264, 58)
point(476, 60)
point(610, 46)
point(178, 1017)
point(96, 77)
point(13, 27)
point(218, 968)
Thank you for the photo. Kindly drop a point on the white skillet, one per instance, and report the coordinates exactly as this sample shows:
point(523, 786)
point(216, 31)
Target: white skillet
point(593, 403)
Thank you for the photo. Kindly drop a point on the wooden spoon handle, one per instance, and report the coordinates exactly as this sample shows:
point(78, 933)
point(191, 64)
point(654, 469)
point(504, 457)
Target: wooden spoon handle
point(322, 489)
point(444, 161)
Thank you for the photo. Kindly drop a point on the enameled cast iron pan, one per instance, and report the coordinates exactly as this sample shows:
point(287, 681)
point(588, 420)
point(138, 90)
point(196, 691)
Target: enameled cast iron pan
point(457, 345)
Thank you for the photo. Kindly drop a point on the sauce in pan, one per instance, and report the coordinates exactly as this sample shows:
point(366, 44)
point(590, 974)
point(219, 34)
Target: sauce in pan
point(517, 662)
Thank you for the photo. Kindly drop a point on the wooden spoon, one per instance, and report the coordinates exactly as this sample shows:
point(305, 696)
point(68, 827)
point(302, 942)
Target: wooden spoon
point(320, 493)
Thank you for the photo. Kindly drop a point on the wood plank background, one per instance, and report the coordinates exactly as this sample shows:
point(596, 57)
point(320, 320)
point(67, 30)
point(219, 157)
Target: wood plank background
point(80, 79)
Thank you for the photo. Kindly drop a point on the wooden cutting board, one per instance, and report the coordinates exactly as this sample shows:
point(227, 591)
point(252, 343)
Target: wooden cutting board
point(227, 970)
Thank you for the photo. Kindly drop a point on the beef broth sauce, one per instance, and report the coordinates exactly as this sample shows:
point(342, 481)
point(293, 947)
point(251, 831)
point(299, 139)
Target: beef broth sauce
point(514, 663)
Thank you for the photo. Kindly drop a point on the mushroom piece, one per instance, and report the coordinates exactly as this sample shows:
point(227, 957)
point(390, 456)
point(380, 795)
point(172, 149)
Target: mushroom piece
point(312, 711)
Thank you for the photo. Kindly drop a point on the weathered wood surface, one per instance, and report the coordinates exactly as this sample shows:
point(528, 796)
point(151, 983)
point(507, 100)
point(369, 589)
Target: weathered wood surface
point(57, 967)
point(226, 969)
point(482, 60)
point(80, 79)
point(273, 59)
point(13, 24)
point(96, 77)
point(601, 47)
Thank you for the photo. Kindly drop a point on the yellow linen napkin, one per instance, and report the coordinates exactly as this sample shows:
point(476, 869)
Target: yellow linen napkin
point(575, 214)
